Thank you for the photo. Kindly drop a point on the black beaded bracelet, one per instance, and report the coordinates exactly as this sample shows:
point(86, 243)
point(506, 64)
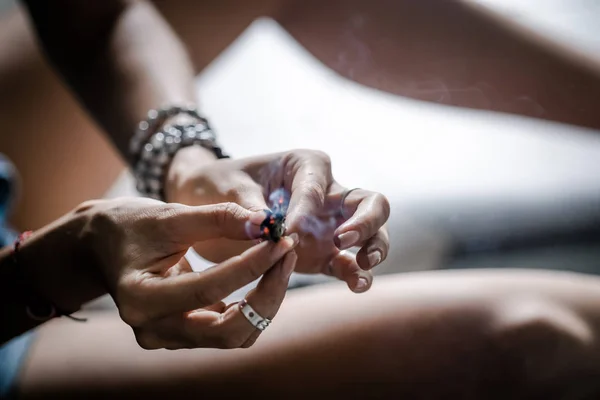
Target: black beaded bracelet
point(153, 152)
point(153, 121)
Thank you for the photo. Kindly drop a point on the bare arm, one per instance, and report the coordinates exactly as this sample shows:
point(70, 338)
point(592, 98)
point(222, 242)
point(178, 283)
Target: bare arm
point(53, 266)
point(120, 57)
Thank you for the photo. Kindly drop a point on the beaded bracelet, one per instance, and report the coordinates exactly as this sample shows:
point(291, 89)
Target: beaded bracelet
point(154, 119)
point(153, 149)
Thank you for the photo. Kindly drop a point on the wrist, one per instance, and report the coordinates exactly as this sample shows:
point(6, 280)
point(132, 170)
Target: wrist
point(59, 262)
point(158, 140)
point(179, 176)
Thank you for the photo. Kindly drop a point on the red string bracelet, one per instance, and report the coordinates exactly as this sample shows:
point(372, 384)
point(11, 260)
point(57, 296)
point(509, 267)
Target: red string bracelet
point(37, 308)
point(22, 237)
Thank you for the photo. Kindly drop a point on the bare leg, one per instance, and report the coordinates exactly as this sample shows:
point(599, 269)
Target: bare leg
point(475, 334)
point(447, 52)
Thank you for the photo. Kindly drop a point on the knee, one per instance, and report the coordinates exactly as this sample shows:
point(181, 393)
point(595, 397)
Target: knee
point(540, 343)
point(494, 348)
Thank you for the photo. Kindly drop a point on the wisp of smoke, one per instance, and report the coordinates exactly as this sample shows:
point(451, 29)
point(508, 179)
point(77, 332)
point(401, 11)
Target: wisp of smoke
point(271, 177)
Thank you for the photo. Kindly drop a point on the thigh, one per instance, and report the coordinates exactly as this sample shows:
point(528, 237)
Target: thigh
point(454, 334)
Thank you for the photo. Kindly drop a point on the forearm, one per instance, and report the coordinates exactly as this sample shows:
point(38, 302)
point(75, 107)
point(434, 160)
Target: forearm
point(52, 267)
point(119, 57)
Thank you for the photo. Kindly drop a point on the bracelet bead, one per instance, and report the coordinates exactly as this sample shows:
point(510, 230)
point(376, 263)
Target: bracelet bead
point(155, 144)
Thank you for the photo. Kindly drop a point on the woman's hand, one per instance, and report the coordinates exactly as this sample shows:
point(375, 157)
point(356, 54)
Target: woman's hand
point(326, 227)
point(135, 248)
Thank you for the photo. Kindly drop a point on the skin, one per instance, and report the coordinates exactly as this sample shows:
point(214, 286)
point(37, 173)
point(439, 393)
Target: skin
point(133, 249)
point(403, 46)
point(549, 319)
point(314, 209)
point(453, 53)
point(138, 63)
point(565, 84)
point(455, 334)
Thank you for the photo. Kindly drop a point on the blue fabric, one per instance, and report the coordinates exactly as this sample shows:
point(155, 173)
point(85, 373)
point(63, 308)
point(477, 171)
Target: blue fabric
point(8, 183)
point(13, 353)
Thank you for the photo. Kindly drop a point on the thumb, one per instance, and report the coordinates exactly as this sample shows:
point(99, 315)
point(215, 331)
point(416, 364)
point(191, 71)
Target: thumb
point(224, 220)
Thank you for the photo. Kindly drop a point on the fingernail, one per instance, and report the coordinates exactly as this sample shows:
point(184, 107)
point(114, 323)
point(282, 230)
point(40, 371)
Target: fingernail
point(257, 217)
point(291, 240)
point(374, 258)
point(294, 236)
point(362, 285)
point(252, 230)
point(347, 240)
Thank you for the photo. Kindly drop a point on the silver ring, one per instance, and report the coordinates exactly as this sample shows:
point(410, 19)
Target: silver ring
point(253, 317)
point(343, 199)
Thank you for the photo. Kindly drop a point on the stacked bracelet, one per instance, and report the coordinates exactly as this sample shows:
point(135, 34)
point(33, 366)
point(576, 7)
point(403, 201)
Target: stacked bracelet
point(154, 145)
point(151, 124)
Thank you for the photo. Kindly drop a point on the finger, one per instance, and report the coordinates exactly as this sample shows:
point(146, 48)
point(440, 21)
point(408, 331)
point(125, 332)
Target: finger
point(182, 266)
point(369, 214)
point(232, 329)
point(265, 299)
point(164, 296)
point(225, 220)
point(309, 187)
point(249, 194)
point(251, 340)
point(345, 268)
point(374, 251)
point(183, 331)
point(148, 339)
point(218, 307)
